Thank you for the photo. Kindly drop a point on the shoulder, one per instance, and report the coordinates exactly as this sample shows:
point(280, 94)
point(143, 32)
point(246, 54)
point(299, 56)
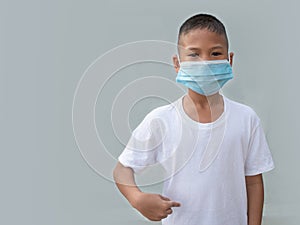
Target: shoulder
point(241, 107)
point(242, 111)
point(163, 112)
point(160, 117)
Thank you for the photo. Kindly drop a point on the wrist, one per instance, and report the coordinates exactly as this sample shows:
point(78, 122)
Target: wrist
point(134, 198)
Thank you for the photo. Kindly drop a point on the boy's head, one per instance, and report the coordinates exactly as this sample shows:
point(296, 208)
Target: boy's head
point(202, 37)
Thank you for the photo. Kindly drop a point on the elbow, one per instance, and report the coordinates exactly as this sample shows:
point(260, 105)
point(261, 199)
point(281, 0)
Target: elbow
point(115, 172)
point(118, 172)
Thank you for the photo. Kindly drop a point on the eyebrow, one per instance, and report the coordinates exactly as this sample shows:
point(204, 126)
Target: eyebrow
point(195, 49)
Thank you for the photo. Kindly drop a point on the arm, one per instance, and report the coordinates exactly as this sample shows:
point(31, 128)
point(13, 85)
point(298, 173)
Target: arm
point(255, 195)
point(153, 206)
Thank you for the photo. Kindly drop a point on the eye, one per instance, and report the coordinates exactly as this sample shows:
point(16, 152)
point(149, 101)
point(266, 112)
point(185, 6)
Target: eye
point(193, 55)
point(216, 53)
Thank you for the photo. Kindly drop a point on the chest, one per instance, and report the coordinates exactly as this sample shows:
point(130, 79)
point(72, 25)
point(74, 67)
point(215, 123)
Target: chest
point(217, 148)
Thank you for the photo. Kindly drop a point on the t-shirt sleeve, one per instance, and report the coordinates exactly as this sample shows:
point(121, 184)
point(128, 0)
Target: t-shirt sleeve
point(259, 158)
point(143, 146)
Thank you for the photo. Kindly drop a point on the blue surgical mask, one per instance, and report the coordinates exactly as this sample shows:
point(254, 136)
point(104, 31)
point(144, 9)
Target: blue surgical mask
point(204, 77)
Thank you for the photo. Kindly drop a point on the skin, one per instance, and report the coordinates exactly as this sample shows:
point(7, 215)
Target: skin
point(198, 44)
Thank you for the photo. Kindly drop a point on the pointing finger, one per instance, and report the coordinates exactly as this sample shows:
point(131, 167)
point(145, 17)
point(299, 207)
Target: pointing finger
point(174, 204)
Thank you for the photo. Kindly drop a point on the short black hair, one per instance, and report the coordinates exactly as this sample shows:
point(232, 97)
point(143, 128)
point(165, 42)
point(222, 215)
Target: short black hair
point(203, 21)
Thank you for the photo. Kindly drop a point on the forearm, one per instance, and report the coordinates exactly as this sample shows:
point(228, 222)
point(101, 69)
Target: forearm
point(255, 195)
point(155, 207)
point(124, 178)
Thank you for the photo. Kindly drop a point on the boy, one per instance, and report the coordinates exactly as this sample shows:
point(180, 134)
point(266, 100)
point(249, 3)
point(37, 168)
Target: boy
point(213, 147)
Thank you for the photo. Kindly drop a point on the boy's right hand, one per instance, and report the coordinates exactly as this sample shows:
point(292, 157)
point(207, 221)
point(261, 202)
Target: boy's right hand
point(155, 207)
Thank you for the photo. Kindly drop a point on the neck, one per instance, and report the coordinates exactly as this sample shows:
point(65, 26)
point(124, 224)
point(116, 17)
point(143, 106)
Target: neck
point(202, 100)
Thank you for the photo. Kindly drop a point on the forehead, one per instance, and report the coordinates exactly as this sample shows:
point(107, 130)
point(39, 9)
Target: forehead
point(202, 39)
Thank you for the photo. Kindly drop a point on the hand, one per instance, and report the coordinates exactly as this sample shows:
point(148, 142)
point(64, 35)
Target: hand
point(155, 207)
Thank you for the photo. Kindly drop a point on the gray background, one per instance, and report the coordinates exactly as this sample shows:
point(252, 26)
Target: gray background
point(47, 45)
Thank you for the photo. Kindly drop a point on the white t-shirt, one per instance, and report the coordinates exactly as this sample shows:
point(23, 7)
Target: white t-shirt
point(205, 163)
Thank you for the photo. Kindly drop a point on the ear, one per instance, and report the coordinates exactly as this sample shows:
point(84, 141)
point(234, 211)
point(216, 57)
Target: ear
point(176, 63)
point(231, 54)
